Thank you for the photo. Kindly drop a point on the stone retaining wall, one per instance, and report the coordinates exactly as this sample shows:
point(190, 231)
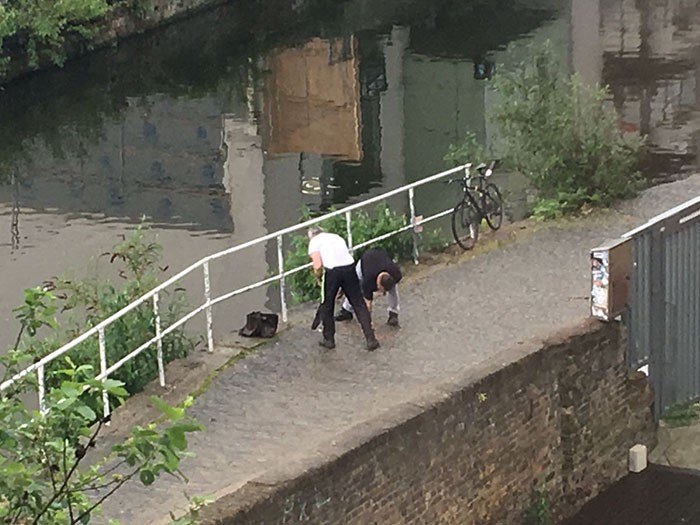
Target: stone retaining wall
point(561, 417)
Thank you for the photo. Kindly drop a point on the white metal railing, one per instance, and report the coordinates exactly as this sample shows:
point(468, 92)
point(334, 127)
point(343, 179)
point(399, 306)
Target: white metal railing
point(99, 329)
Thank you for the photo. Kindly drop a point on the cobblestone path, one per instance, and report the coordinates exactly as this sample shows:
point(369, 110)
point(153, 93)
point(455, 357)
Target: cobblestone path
point(287, 398)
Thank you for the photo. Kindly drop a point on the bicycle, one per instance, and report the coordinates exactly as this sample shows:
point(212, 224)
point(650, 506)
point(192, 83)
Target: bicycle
point(480, 200)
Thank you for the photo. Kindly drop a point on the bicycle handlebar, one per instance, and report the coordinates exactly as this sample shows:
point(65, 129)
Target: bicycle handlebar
point(482, 171)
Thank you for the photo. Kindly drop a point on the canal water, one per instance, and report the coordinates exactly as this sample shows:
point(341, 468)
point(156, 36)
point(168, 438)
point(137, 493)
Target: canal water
point(222, 127)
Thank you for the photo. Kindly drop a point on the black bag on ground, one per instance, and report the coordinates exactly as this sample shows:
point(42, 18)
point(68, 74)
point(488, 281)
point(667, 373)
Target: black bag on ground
point(258, 324)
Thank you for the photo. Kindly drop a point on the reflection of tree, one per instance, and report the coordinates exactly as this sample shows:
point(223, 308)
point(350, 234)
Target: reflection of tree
point(69, 107)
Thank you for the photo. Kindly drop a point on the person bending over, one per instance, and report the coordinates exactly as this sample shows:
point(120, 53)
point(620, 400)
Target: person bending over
point(334, 268)
point(377, 272)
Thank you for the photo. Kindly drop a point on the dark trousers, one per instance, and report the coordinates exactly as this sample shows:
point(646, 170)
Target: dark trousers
point(344, 278)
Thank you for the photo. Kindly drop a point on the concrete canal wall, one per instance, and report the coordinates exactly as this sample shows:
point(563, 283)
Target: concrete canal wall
point(558, 415)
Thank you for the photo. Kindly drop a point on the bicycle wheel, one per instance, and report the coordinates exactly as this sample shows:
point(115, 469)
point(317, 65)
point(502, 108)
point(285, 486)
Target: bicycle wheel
point(493, 206)
point(465, 225)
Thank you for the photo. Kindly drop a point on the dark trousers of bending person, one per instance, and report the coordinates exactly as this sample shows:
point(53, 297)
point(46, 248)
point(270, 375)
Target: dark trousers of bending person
point(344, 278)
point(331, 258)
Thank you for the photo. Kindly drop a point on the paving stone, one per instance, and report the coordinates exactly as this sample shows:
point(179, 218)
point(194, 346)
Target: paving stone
point(280, 403)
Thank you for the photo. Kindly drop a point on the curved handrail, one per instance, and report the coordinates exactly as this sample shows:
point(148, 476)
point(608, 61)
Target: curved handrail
point(203, 263)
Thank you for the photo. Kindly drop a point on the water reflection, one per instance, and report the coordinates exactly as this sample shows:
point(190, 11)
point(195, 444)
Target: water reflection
point(651, 64)
point(228, 133)
point(321, 109)
point(219, 136)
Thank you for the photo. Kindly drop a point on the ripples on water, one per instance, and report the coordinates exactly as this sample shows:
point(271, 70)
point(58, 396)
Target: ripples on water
point(219, 136)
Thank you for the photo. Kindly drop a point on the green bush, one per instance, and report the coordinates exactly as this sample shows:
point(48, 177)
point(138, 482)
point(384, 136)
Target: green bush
point(91, 300)
point(40, 28)
point(680, 415)
point(364, 227)
point(469, 150)
point(539, 512)
point(557, 131)
point(43, 478)
point(43, 25)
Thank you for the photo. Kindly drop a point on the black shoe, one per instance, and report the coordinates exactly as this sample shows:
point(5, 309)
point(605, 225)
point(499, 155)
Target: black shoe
point(343, 315)
point(393, 319)
point(327, 343)
point(372, 345)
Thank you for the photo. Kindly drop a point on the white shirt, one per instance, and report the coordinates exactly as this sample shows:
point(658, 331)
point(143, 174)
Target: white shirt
point(333, 249)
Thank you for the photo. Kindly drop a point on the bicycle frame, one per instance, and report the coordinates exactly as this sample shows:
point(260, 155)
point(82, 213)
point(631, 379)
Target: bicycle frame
point(472, 209)
point(468, 193)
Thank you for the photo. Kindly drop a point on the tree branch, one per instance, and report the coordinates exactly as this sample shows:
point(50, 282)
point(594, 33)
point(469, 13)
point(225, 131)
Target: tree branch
point(65, 481)
point(119, 483)
point(111, 469)
point(67, 477)
point(99, 502)
point(19, 337)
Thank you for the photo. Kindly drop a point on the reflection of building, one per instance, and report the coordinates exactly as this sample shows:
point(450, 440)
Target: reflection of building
point(651, 66)
point(154, 162)
point(444, 100)
point(322, 118)
point(312, 100)
point(245, 185)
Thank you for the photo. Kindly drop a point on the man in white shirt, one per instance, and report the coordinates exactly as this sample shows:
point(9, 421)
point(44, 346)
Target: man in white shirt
point(329, 252)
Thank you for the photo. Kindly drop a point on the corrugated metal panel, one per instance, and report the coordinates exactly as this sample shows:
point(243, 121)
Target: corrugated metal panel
point(639, 317)
point(664, 315)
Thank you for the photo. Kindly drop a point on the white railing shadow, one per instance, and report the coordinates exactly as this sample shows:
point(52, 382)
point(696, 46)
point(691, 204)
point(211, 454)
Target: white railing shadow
point(154, 295)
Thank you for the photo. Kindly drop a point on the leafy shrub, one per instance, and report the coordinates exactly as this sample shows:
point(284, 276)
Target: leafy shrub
point(469, 150)
point(40, 27)
point(44, 479)
point(539, 511)
point(680, 415)
point(91, 300)
point(364, 227)
point(557, 131)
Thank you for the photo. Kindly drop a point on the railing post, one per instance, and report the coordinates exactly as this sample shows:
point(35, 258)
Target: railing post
point(412, 208)
point(103, 369)
point(348, 228)
point(207, 298)
point(42, 389)
point(283, 287)
point(159, 341)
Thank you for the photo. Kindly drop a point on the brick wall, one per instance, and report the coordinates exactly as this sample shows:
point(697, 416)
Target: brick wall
point(561, 416)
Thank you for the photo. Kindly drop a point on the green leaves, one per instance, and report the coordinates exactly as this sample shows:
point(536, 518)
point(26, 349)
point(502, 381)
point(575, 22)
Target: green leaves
point(470, 150)
point(43, 479)
point(559, 133)
point(364, 227)
point(89, 300)
point(46, 23)
point(37, 310)
point(172, 413)
point(146, 476)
